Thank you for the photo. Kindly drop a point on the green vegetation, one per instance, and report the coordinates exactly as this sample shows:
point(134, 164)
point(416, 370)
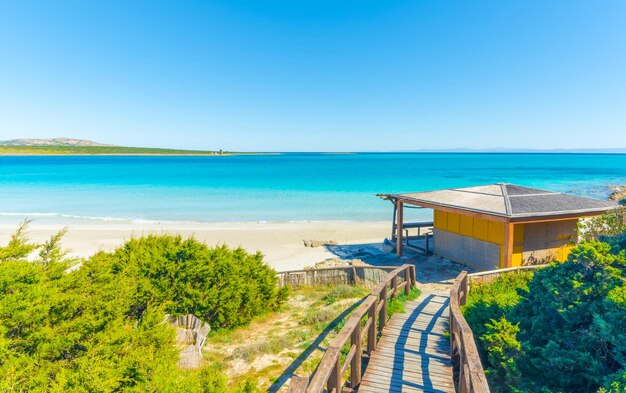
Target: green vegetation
point(559, 330)
point(598, 228)
point(396, 305)
point(101, 327)
point(98, 150)
point(343, 291)
point(293, 336)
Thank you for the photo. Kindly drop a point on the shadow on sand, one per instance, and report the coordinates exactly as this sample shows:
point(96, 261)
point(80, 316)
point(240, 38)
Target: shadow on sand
point(434, 272)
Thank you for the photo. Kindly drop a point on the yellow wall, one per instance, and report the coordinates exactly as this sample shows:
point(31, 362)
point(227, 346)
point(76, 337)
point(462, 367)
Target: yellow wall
point(492, 232)
point(477, 228)
point(518, 245)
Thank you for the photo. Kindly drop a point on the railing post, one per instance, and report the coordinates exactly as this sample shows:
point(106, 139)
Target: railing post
point(394, 285)
point(334, 382)
point(383, 310)
point(407, 280)
point(371, 332)
point(297, 384)
point(413, 275)
point(355, 365)
point(463, 297)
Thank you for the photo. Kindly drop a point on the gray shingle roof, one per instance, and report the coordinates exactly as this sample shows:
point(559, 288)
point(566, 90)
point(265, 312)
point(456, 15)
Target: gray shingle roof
point(509, 200)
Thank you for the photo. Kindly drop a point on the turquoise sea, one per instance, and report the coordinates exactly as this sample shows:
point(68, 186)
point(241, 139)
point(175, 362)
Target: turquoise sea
point(285, 187)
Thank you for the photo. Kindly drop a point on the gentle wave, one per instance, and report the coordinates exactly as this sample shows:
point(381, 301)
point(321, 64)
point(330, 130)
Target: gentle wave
point(148, 221)
point(61, 215)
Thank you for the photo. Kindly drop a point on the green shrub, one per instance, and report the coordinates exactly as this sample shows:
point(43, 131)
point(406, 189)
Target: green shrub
point(223, 287)
point(503, 350)
point(493, 300)
point(100, 327)
point(561, 331)
point(615, 383)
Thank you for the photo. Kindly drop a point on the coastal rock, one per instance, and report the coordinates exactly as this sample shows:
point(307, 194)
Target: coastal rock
point(618, 194)
point(319, 243)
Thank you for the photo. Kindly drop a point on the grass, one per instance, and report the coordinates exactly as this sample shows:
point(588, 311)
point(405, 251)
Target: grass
point(396, 305)
point(296, 334)
point(262, 350)
point(103, 150)
point(343, 291)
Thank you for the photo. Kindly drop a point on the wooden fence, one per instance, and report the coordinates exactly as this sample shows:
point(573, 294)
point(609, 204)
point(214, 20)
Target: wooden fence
point(349, 275)
point(363, 326)
point(468, 369)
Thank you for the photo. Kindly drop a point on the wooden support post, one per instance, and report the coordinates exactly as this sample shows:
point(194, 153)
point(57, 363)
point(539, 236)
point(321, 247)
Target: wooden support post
point(297, 384)
point(399, 229)
point(383, 310)
point(507, 250)
point(394, 286)
point(334, 382)
point(393, 223)
point(407, 279)
point(371, 333)
point(414, 275)
point(355, 365)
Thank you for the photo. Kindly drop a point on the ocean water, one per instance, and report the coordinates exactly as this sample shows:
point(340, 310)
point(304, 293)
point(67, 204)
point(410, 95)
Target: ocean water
point(286, 187)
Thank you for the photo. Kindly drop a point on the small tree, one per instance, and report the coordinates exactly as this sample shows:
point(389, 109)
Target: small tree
point(610, 224)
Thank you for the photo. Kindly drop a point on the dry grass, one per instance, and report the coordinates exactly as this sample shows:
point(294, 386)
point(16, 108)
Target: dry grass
point(274, 346)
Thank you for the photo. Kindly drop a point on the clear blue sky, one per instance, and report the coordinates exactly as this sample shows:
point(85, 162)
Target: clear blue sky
point(316, 75)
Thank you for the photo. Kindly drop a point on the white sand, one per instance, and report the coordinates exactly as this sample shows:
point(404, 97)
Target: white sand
point(281, 243)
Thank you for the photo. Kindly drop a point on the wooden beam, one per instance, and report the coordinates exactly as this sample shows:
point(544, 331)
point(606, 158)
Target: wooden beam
point(399, 229)
point(562, 217)
point(471, 213)
point(509, 229)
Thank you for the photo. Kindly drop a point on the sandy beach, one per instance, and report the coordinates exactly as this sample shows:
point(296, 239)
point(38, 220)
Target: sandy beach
point(281, 243)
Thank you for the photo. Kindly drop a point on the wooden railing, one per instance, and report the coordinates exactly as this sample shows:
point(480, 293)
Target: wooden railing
point(488, 276)
point(468, 369)
point(363, 326)
point(349, 275)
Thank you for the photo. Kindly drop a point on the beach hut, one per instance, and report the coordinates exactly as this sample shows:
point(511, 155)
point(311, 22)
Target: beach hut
point(496, 225)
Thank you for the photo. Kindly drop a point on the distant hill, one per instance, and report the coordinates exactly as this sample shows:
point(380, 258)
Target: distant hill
point(69, 146)
point(51, 142)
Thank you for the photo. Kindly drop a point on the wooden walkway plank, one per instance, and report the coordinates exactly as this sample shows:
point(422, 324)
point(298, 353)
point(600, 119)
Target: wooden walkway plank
point(413, 354)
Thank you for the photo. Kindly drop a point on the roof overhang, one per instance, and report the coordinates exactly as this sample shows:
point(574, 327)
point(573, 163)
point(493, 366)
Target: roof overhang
point(502, 207)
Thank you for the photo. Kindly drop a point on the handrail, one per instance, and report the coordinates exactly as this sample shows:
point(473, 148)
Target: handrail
point(468, 370)
point(330, 371)
point(490, 275)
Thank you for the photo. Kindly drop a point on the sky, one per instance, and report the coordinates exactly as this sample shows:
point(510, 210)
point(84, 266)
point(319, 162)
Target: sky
point(316, 75)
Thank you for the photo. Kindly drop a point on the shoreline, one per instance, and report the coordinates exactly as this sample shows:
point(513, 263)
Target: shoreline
point(282, 243)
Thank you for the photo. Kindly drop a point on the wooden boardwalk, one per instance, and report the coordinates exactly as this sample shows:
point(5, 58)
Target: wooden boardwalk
point(413, 354)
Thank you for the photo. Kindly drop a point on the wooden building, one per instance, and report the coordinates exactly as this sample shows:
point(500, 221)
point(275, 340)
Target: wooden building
point(498, 225)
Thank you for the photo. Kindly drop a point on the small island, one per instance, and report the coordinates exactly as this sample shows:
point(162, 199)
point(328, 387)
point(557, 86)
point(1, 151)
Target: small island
point(68, 146)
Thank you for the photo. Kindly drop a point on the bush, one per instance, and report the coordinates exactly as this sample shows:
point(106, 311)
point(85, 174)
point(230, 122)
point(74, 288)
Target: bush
point(223, 287)
point(100, 327)
point(568, 321)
